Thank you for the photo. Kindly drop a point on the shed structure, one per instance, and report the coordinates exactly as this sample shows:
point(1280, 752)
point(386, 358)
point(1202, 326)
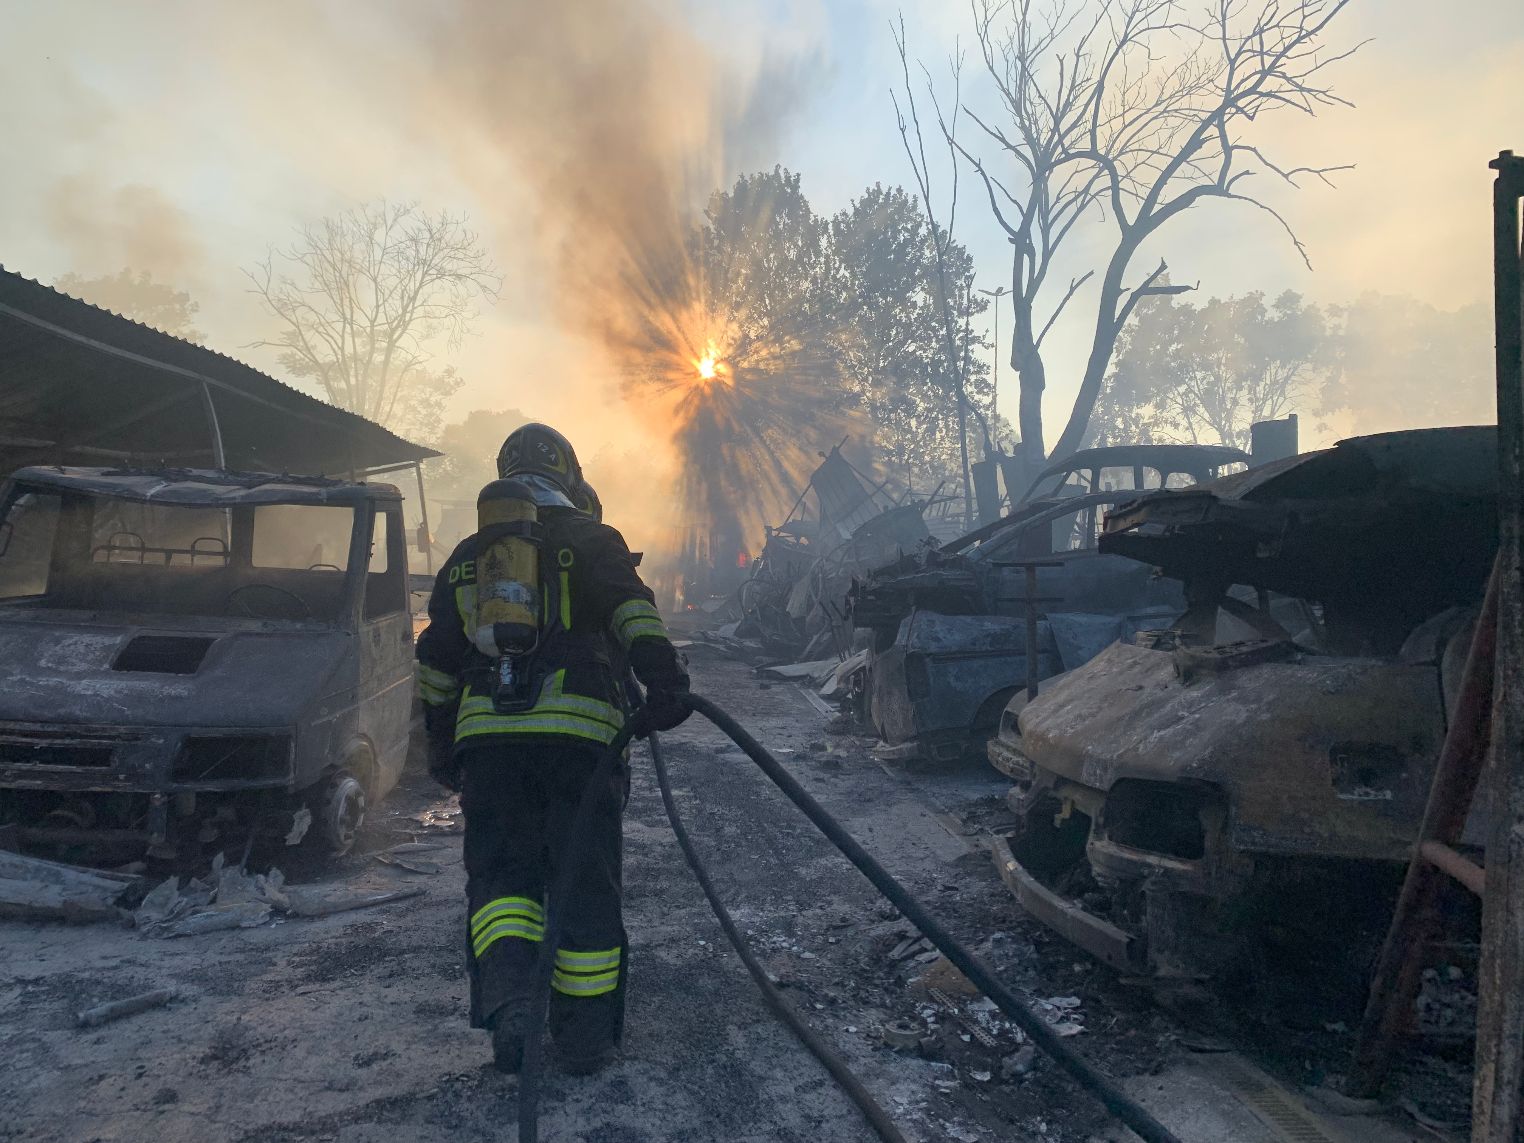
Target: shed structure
point(80, 385)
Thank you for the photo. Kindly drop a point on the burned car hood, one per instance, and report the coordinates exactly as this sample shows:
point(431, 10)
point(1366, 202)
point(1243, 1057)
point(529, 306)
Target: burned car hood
point(1317, 754)
point(97, 674)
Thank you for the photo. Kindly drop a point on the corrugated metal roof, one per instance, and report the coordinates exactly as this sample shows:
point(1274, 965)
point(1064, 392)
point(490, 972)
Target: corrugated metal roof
point(211, 488)
point(79, 384)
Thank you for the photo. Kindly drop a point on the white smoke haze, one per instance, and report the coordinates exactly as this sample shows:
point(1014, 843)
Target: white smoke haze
point(184, 138)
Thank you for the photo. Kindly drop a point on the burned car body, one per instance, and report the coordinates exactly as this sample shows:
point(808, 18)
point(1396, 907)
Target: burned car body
point(1134, 468)
point(185, 653)
point(948, 624)
point(1276, 744)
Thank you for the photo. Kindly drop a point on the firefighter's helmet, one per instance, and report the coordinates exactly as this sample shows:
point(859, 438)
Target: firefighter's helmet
point(536, 449)
point(585, 497)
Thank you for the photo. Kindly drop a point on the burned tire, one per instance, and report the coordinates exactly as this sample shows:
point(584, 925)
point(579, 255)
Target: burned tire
point(338, 813)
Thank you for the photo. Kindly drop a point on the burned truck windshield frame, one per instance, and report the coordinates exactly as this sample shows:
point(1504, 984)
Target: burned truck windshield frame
point(81, 552)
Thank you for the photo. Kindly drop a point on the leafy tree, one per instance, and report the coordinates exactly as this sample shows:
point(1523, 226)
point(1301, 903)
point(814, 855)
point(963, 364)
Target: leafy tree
point(137, 296)
point(763, 252)
point(1204, 374)
point(364, 297)
point(830, 328)
point(738, 359)
point(1189, 373)
point(891, 336)
point(1400, 362)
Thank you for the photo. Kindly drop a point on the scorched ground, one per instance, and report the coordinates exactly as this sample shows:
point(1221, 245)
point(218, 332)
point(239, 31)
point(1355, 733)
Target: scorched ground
point(352, 1028)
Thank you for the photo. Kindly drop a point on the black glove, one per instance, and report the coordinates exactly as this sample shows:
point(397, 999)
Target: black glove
point(658, 665)
point(443, 767)
point(665, 708)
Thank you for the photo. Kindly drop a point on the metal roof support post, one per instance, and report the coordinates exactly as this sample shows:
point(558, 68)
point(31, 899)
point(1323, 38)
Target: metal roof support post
point(1495, 1104)
point(423, 512)
point(219, 458)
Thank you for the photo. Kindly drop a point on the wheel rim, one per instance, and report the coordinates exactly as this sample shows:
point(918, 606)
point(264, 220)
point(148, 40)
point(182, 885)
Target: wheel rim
point(345, 813)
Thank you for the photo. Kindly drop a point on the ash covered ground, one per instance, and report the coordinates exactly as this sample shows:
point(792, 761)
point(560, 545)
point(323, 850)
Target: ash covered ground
point(352, 1028)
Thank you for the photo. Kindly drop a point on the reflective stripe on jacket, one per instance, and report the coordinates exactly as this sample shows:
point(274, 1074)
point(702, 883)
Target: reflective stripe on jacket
point(589, 587)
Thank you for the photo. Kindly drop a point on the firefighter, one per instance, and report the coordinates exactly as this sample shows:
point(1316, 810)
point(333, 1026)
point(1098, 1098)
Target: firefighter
point(585, 497)
point(521, 771)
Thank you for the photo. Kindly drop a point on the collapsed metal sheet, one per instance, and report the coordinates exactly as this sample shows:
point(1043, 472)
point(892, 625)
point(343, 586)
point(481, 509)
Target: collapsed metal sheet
point(846, 503)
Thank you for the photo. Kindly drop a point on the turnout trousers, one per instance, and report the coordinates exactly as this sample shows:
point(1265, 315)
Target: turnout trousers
point(519, 800)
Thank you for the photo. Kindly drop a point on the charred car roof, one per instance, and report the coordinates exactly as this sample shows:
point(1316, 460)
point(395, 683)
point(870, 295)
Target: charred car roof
point(1406, 515)
point(204, 487)
point(1171, 457)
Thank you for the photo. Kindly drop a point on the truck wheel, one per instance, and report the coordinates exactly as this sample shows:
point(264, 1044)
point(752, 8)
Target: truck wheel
point(339, 812)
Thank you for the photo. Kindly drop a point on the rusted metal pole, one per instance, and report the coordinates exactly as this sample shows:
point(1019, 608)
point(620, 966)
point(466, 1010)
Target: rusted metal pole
point(1031, 600)
point(1031, 632)
point(116, 1009)
point(214, 426)
point(423, 511)
point(1456, 775)
point(1495, 1100)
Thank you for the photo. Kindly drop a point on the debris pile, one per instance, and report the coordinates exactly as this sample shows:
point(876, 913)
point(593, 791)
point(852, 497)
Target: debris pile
point(235, 899)
point(1446, 1005)
point(229, 897)
point(791, 607)
point(33, 889)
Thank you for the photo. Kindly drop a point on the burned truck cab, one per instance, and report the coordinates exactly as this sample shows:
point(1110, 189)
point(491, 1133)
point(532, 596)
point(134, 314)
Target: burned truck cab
point(1258, 768)
point(188, 656)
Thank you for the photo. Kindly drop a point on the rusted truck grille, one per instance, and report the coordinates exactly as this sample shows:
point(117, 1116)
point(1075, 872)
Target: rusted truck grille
point(57, 751)
point(233, 758)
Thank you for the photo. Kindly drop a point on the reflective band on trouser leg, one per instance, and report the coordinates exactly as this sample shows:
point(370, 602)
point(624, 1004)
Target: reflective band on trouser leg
point(506, 917)
point(586, 973)
point(636, 619)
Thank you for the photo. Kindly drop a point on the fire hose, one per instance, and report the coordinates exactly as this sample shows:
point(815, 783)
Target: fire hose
point(1117, 1102)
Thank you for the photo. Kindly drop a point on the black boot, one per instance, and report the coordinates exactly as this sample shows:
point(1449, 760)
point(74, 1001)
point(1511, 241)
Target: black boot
point(508, 1031)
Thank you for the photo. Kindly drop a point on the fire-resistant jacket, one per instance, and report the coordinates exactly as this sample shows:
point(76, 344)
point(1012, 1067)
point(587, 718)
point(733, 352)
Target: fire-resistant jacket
point(590, 591)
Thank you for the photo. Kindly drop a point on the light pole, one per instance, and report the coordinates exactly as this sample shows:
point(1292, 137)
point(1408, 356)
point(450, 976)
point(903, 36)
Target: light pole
point(997, 294)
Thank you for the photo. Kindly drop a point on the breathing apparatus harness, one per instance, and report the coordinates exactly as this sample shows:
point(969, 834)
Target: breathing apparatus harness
point(520, 614)
point(1122, 1106)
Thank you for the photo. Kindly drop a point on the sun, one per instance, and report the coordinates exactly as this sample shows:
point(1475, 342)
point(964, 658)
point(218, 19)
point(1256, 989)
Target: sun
point(711, 368)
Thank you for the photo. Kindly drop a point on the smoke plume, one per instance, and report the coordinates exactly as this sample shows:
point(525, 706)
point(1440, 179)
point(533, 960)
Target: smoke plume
point(133, 225)
point(621, 124)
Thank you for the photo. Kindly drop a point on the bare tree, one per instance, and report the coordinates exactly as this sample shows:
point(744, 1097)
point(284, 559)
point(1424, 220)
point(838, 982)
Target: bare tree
point(1136, 107)
point(941, 238)
point(367, 292)
point(1045, 93)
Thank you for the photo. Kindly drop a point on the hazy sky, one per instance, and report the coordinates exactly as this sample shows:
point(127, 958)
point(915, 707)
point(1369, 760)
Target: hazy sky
point(183, 138)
